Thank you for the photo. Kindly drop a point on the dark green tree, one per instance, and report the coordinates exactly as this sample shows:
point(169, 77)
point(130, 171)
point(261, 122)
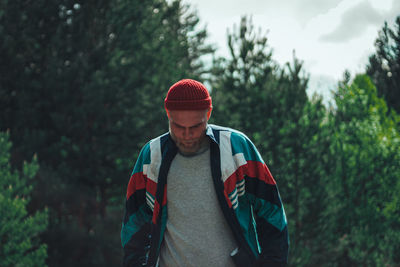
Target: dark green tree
point(240, 82)
point(19, 229)
point(300, 152)
point(303, 162)
point(269, 103)
point(363, 185)
point(83, 87)
point(384, 65)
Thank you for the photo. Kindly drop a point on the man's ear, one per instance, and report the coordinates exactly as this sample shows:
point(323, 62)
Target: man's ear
point(209, 113)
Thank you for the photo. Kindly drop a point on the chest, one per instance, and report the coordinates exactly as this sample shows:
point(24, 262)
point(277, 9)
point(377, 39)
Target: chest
point(189, 183)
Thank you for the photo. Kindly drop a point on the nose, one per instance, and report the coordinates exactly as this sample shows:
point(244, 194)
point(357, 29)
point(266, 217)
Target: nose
point(188, 133)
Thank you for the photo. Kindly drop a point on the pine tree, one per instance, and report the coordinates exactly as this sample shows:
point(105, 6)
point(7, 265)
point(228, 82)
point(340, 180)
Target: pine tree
point(384, 65)
point(19, 229)
point(269, 103)
point(363, 185)
point(82, 87)
point(241, 81)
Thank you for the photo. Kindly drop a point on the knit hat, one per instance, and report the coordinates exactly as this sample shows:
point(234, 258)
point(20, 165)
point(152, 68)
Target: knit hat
point(187, 94)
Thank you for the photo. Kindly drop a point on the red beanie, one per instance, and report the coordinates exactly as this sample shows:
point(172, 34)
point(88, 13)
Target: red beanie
point(187, 94)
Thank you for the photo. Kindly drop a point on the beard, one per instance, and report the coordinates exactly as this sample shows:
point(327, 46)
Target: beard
point(189, 147)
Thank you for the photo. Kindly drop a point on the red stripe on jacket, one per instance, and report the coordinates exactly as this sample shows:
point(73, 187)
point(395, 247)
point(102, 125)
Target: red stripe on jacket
point(254, 169)
point(140, 181)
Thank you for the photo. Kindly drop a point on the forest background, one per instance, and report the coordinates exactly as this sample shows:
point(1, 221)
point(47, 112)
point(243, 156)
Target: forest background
point(81, 90)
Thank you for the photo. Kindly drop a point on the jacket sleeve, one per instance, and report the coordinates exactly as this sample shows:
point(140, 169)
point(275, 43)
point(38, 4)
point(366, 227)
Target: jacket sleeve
point(135, 233)
point(269, 213)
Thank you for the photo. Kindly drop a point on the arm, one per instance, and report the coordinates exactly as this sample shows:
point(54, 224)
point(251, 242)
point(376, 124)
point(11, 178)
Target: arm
point(271, 225)
point(268, 211)
point(270, 217)
point(137, 219)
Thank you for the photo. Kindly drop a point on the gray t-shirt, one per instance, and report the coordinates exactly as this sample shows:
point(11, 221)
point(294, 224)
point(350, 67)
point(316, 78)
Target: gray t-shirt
point(197, 233)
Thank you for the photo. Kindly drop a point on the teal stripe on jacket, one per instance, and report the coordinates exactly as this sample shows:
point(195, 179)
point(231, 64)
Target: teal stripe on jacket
point(244, 214)
point(241, 144)
point(133, 225)
point(143, 159)
point(271, 213)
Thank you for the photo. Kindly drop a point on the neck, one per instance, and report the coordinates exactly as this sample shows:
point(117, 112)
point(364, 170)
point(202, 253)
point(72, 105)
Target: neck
point(204, 146)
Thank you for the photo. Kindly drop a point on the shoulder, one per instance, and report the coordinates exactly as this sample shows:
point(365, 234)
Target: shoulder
point(151, 147)
point(237, 142)
point(158, 141)
point(235, 136)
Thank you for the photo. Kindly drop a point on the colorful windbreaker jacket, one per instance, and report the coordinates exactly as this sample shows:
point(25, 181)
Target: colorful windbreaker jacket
point(246, 190)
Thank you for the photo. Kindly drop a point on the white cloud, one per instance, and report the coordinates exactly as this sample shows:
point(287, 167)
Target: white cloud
point(328, 35)
point(305, 10)
point(354, 23)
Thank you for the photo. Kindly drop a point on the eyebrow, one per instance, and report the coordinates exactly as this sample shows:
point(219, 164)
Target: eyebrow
point(194, 126)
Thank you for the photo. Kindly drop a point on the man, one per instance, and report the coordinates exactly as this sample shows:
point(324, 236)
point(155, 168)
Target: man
point(201, 195)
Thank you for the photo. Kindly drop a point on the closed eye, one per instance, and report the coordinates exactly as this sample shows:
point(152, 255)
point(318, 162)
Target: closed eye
point(196, 126)
point(191, 127)
point(178, 126)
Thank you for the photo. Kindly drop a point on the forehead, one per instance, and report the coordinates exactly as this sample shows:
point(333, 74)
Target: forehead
point(188, 117)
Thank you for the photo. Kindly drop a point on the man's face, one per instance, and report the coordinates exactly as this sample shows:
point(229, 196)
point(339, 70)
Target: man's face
point(188, 129)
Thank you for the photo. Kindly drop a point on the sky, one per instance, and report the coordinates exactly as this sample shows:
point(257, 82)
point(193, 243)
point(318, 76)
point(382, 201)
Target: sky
point(329, 36)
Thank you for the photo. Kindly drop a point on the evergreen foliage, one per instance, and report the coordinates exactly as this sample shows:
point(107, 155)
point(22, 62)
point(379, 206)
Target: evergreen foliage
point(19, 229)
point(384, 65)
point(363, 185)
point(83, 88)
point(269, 103)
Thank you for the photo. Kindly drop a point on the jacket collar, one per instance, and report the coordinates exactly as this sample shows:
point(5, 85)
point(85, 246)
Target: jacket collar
point(210, 133)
